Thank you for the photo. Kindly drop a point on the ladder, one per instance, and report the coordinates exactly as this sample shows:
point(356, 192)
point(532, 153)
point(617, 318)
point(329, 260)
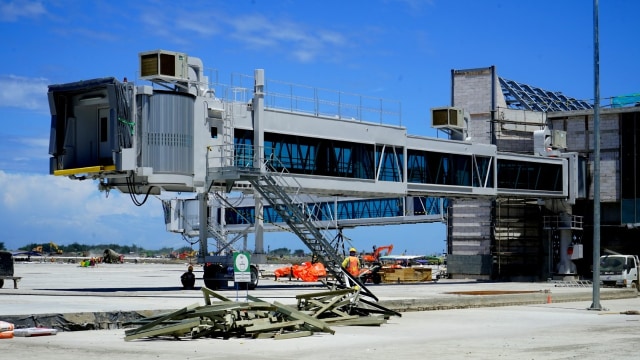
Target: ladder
point(227, 138)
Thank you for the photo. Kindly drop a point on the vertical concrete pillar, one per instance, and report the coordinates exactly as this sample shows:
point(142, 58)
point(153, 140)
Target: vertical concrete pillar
point(566, 265)
point(203, 225)
point(258, 151)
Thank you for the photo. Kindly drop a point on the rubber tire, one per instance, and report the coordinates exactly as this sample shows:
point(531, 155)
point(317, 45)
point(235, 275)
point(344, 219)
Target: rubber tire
point(1, 283)
point(376, 278)
point(210, 272)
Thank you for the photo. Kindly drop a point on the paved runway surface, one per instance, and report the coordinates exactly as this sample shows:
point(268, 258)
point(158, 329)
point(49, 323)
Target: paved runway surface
point(542, 321)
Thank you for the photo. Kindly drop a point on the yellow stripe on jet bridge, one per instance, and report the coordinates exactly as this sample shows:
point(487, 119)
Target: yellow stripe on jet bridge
point(84, 170)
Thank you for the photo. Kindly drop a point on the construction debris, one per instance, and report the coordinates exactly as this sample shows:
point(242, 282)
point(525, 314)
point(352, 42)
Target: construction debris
point(259, 319)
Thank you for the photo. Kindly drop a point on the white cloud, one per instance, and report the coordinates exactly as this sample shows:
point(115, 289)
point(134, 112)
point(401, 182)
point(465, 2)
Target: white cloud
point(200, 24)
point(25, 93)
point(254, 31)
point(35, 142)
point(12, 11)
point(46, 206)
point(304, 43)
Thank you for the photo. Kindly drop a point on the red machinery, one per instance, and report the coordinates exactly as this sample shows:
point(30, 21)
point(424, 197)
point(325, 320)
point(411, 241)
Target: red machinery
point(377, 252)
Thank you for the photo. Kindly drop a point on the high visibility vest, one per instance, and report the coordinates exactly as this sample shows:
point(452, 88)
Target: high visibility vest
point(353, 267)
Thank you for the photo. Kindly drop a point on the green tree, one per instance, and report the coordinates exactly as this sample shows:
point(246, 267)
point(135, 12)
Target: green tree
point(2, 246)
point(29, 247)
point(76, 248)
point(281, 252)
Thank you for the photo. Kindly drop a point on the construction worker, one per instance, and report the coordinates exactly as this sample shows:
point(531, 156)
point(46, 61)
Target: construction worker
point(188, 279)
point(352, 263)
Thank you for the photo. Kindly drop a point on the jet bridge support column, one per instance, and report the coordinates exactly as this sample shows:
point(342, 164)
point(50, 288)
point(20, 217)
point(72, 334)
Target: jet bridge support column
point(566, 265)
point(202, 226)
point(568, 247)
point(259, 256)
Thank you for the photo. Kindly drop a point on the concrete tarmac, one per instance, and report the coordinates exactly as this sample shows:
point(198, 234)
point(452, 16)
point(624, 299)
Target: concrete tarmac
point(515, 320)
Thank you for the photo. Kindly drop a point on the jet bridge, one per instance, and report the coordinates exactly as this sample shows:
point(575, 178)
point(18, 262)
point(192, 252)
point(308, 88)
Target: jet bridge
point(179, 133)
point(142, 140)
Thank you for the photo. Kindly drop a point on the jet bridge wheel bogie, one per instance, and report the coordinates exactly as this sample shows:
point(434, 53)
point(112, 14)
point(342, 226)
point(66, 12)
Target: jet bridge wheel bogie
point(212, 276)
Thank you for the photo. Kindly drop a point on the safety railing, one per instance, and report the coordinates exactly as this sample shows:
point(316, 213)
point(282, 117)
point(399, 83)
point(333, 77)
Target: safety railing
point(563, 222)
point(310, 100)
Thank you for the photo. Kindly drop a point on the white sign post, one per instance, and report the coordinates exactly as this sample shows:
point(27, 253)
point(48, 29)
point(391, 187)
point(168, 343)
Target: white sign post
point(241, 267)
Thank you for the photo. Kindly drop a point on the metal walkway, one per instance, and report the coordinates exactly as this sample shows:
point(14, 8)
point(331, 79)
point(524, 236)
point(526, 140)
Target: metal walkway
point(334, 156)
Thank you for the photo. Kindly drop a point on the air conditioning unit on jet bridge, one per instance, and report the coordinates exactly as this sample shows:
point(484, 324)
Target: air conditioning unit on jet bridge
point(163, 65)
point(448, 117)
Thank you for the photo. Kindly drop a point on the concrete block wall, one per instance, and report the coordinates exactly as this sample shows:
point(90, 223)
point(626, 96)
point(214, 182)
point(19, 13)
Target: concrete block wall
point(475, 266)
point(580, 139)
point(514, 129)
point(609, 185)
point(471, 232)
point(515, 144)
point(470, 235)
point(479, 129)
point(472, 92)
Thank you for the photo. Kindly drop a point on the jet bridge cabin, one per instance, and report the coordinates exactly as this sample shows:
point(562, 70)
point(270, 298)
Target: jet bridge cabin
point(127, 137)
point(84, 114)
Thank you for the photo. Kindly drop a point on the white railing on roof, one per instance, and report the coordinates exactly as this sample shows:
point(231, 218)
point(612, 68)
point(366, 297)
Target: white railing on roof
point(311, 100)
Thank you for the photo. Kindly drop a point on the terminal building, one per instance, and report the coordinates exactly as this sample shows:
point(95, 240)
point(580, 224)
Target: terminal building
point(519, 237)
point(513, 182)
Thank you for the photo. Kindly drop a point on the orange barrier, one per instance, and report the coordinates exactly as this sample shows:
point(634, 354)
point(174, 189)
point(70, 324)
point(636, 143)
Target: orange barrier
point(306, 271)
point(282, 272)
point(309, 272)
point(6, 334)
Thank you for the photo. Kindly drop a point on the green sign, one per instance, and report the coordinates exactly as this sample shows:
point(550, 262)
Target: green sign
point(242, 266)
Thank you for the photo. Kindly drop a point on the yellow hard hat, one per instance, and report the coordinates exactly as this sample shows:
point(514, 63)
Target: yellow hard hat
point(352, 249)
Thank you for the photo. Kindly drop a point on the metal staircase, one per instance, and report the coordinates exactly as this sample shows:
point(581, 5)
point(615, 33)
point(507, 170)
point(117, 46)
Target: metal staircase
point(299, 218)
point(299, 221)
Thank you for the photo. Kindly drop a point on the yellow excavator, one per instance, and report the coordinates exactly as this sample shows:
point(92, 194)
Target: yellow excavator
point(53, 247)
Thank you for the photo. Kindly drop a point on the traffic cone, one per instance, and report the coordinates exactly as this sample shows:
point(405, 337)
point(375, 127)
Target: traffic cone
point(549, 298)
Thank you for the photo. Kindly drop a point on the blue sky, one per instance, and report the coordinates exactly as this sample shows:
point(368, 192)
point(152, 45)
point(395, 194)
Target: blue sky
point(394, 49)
